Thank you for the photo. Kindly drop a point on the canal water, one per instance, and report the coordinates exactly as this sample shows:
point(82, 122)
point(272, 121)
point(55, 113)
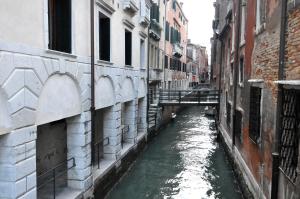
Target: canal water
point(183, 162)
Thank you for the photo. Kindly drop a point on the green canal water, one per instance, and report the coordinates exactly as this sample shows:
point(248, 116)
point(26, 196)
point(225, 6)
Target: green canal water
point(183, 162)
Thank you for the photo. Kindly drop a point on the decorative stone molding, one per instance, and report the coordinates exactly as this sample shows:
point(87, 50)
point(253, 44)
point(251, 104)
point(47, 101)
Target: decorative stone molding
point(105, 5)
point(130, 25)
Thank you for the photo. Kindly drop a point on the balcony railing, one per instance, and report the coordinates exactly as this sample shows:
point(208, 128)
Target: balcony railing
point(155, 30)
point(145, 13)
point(177, 50)
point(100, 146)
point(54, 179)
point(125, 131)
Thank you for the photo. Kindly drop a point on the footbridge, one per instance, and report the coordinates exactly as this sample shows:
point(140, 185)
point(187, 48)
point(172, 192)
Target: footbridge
point(191, 97)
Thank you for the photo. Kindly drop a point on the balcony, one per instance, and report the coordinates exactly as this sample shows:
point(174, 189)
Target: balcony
point(155, 74)
point(155, 30)
point(130, 6)
point(177, 50)
point(145, 12)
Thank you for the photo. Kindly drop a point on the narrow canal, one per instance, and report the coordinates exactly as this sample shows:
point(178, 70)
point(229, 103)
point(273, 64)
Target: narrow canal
point(183, 162)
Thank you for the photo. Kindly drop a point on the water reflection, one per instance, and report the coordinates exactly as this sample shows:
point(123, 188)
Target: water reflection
point(183, 162)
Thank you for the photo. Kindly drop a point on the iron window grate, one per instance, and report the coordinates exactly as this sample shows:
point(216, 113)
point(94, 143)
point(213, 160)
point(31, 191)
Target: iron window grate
point(290, 125)
point(255, 115)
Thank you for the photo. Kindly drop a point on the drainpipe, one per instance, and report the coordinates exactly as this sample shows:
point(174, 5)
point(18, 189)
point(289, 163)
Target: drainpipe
point(93, 130)
point(236, 62)
point(220, 78)
point(281, 76)
point(148, 75)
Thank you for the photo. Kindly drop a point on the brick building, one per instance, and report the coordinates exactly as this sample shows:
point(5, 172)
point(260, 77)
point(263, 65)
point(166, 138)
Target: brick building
point(256, 67)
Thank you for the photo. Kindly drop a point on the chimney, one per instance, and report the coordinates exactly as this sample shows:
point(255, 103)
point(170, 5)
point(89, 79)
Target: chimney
point(181, 4)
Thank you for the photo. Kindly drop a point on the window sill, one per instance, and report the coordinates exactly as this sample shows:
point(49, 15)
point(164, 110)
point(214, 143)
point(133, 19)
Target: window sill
point(128, 66)
point(260, 29)
point(289, 83)
point(103, 62)
point(54, 52)
point(242, 44)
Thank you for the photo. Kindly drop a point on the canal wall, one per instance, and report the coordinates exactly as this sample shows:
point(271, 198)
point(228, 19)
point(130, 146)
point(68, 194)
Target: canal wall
point(112, 175)
point(249, 187)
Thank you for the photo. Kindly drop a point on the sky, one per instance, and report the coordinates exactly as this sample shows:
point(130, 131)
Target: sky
point(200, 14)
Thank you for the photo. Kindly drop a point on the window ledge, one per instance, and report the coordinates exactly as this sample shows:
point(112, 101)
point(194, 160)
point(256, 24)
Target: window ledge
point(289, 83)
point(256, 81)
point(260, 29)
point(242, 44)
point(128, 66)
point(104, 62)
point(54, 52)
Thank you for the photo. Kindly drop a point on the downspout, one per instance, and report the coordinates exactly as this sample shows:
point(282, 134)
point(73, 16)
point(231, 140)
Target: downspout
point(220, 78)
point(93, 130)
point(281, 76)
point(165, 45)
point(148, 75)
point(236, 62)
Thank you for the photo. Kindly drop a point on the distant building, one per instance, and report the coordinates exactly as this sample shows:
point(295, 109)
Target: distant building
point(176, 36)
point(197, 64)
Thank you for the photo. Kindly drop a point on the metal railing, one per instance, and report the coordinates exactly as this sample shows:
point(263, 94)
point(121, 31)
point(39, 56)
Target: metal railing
point(98, 146)
point(125, 131)
point(188, 96)
point(52, 175)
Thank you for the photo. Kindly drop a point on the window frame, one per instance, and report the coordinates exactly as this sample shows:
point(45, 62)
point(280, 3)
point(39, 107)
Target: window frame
point(98, 37)
point(241, 72)
point(125, 53)
point(47, 32)
point(259, 134)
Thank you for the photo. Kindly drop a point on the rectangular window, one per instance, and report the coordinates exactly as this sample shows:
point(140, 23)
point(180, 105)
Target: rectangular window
point(255, 113)
point(260, 14)
point(104, 37)
point(167, 32)
point(174, 5)
point(243, 21)
point(290, 126)
point(59, 16)
point(228, 113)
point(142, 54)
point(241, 71)
point(166, 61)
point(231, 74)
point(239, 124)
point(128, 48)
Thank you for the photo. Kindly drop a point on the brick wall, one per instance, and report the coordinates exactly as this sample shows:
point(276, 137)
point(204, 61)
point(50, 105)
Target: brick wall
point(292, 66)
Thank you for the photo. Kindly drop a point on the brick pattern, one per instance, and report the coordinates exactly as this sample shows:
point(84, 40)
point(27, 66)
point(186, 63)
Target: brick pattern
point(292, 54)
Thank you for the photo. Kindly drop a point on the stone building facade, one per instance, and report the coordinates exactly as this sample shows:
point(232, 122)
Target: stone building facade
point(255, 67)
point(176, 46)
point(156, 49)
point(45, 93)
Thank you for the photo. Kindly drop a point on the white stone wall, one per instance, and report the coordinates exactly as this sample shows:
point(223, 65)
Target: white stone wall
point(38, 86)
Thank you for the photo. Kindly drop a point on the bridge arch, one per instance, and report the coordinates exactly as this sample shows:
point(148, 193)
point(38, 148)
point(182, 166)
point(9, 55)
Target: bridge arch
point(60, 98)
